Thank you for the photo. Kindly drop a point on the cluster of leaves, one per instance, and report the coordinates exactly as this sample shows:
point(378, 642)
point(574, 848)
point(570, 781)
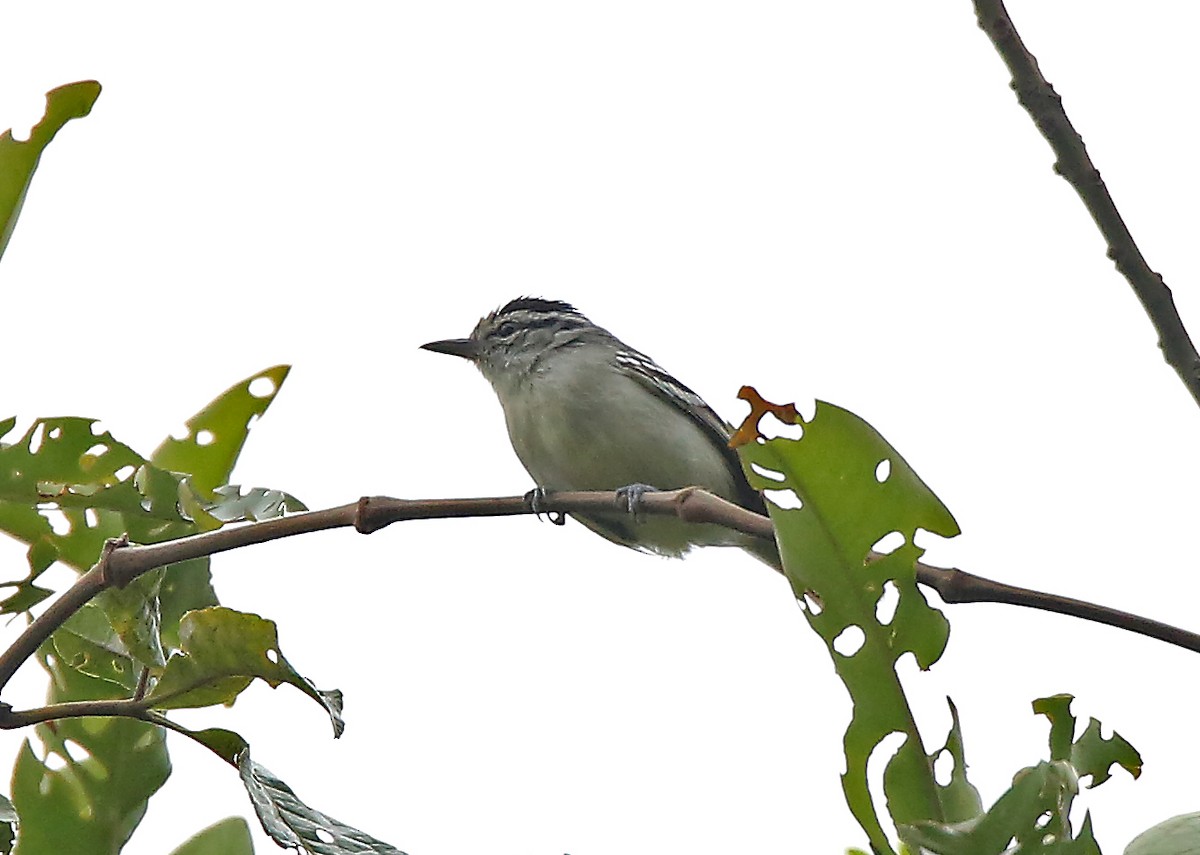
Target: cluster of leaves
point(68, 488)
point(841, 494)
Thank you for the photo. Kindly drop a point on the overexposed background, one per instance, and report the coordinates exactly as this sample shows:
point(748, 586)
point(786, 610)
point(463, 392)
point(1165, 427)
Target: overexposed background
point(841, 201)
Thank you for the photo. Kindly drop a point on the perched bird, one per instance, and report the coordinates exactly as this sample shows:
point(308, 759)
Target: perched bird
point(585, 411)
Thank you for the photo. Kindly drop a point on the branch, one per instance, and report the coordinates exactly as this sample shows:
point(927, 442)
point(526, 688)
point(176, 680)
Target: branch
point(1044, 106)
point(121, 562)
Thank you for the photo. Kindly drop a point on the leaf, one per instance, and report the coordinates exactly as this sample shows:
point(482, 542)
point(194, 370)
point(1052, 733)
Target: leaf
point(960, 800)
point(289, 822)
point(8, 825)
point(292, 823)
point(230, 836)
point(846, 508)
point(104, 770)
point(1094, 755)
point(1179, 835)
point(133, 613)
point(87, 642)
point(216, 434)
point(19, 160)
point(232, 503)
point(222, 651)
point(1035, 811)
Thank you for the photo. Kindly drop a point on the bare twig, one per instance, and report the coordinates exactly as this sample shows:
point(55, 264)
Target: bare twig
point(1044, 106)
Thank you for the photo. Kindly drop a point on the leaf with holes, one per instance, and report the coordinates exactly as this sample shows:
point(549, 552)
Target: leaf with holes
point(222, 651)
point(292, 823)
point(19, 160)
point(849, 501)
point(92, 792)
point(1037, 808)
point(960, 800)
point(216, 434)
point(231, 503)
point(289, 821)
point(87, 642)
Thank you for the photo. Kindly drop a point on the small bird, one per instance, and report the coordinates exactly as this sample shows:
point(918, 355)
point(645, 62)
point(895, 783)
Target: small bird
point(585, 411)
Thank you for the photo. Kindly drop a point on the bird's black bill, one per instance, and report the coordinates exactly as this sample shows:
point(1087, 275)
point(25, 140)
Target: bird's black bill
point(465, 347)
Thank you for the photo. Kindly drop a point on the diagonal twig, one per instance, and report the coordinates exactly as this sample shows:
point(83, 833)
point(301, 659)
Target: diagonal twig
point(1044, 106)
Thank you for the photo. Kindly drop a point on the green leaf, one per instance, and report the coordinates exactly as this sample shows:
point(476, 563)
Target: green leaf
point(87, 642)
point(1094, 755)
point(1179, 835)
point(960, 800)
point(24, 598)
point(133, 614)
point(222, 651)
point(833, 470)
point(91, 797)
point(230, 836)
point(1035, 811)
point(19, 160)
point(216, 434)
point(292, 823)
point(186, 586)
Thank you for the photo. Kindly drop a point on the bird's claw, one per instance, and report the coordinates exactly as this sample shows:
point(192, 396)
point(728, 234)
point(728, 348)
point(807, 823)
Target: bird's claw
point(630, 496)
point(536, 499)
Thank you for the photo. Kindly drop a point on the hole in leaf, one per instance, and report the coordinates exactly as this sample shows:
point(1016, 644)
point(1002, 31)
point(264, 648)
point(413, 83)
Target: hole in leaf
point(810, 603)
point(885, 749)
point(771, 427)
point(35, 439)
point(884, 470)
point(943, 767)
point(786, 499)
point(324, 836)
point(262, 387)
point(889, 600)
point(273, 655)
point(768, 473)
point(55, 762)
point(91, 518)
point(97, 450)
point(76, 751)
point(124, 472)
point(55, 433)
point(889, 543)
point(59, 524)
point(205, 437)
point(850, 640)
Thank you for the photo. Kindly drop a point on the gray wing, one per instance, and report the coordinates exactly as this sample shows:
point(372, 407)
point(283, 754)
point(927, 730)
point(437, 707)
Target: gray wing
point(646, 371)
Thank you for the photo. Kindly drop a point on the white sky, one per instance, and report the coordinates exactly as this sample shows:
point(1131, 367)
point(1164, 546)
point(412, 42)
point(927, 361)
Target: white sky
point(826, 200)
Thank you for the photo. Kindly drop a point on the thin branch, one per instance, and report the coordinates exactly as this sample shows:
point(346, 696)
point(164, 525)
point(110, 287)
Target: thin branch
point(1044, 106)
point(11, 719)
point(121, 562)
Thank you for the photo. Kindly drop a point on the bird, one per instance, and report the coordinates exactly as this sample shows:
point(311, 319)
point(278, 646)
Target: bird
point(585, 411)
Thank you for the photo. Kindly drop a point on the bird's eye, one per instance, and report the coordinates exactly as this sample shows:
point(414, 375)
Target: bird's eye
point(506, 329)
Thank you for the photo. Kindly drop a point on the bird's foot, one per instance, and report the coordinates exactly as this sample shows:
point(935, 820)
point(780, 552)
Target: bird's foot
point(630, 496)
point(536, 500)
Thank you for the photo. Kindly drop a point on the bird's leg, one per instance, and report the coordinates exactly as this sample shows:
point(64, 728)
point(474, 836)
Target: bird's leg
point(629, 498)
point(536, 499)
